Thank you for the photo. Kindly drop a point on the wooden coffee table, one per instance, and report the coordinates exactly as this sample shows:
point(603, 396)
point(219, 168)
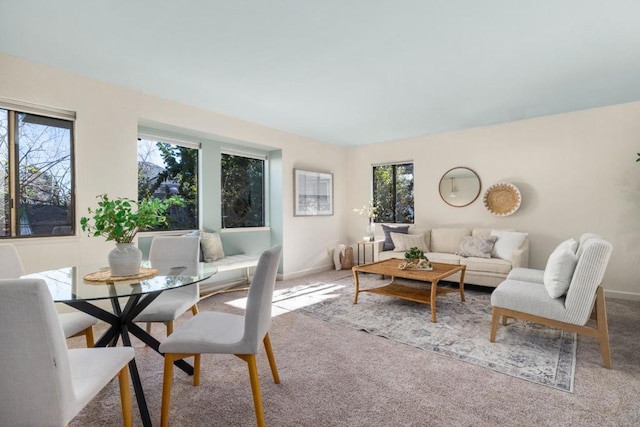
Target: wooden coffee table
point(425, 295)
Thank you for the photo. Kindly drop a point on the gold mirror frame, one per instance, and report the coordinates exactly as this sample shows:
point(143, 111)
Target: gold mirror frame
point(459, 187)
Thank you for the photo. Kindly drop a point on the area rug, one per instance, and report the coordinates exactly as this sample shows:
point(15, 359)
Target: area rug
point(524, 350)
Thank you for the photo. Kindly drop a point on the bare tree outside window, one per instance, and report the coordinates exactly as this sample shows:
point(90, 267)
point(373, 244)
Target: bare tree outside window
point(42, 160)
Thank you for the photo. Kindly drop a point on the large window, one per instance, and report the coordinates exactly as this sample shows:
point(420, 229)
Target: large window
point(243, 189)
point(36, 172)
point(168, 169)
point(393, 192)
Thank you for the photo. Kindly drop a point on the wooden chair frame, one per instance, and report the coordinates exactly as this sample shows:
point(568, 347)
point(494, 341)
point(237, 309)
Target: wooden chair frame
point(601, 331)
point(167, 380)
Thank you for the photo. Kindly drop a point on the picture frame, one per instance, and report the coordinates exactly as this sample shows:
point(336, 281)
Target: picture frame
point(313, 193)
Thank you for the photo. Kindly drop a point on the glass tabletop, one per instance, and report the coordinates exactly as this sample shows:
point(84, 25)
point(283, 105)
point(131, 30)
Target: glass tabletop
point(67, 283)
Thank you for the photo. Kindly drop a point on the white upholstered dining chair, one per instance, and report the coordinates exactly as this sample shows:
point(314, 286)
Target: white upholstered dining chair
point(224, 333)
point(173, 255)
point(74, 323)
point(43, 382)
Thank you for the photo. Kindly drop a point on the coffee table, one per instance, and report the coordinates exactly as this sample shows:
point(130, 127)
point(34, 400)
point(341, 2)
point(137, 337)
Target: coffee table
point(425, 295)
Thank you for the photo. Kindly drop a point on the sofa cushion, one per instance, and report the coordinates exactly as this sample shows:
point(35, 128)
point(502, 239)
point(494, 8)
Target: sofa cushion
point(487, 265)
point(476, 246)
point(387, 229)
point(507, 243)
point(560, 266)
point(444, 257)
point(447, 239)
point(211, 246)
point(403, 242)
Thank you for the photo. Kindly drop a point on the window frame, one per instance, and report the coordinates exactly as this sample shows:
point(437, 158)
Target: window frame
point(182, 141)
point(394, 190)
point(231, 151)
point(14, 108)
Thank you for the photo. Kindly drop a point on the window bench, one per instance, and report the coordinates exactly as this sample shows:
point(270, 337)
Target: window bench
point(226, 276)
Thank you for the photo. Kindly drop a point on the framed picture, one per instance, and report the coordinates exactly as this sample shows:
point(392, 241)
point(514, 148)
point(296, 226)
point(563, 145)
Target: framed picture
point(313, 193)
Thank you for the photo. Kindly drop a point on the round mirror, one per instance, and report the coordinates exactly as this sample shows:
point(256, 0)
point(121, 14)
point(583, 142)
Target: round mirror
point(459, 187)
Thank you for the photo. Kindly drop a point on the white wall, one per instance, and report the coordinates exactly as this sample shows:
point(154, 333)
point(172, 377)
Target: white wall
point(576, 172)
point(106, 160)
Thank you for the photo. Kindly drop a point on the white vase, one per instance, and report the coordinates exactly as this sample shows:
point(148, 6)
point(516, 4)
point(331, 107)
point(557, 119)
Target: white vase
point(124, 260)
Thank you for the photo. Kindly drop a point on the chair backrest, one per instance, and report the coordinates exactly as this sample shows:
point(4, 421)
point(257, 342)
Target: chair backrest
point(259, 298)
point(167, 252)
point(583, 239)
point(10, 263)
point(587, 276)
point(35, 372)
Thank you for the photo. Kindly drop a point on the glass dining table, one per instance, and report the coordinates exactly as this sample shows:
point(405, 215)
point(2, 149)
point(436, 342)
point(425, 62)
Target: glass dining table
point(89, 289)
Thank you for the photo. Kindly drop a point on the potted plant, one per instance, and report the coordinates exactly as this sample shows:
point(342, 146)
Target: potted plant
point(120, 220)
point(417, 258)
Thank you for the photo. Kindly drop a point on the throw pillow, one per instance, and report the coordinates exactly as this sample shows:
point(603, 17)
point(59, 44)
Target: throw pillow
point(507, 243)
point(477, 246)
point(211, 246)
point(404, 242)
point(387, 229)
point(560, 266)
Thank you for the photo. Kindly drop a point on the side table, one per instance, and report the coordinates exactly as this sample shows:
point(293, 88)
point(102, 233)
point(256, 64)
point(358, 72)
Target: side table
point(364, 245)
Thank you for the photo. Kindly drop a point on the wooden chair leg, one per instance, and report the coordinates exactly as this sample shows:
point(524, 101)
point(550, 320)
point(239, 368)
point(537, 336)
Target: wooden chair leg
point(169, 327)
point(149, 328)
point(196, 370)
point(167, 381)
point(603, 328)
point(88, 335)
point(125, 396)
point(255, 386)
point(504, 320)
point(272, 360)
point(495, 316)
point(194, 309)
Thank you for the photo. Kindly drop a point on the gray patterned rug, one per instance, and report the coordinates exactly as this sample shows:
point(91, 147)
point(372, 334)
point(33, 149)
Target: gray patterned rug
point(524, 350)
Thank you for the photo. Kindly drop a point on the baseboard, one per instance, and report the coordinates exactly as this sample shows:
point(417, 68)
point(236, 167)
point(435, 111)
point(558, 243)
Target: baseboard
point(302, 273)
point(631, 296)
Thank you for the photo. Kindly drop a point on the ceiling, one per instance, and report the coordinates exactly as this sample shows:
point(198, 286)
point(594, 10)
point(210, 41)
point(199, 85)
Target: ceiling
point(349, 72)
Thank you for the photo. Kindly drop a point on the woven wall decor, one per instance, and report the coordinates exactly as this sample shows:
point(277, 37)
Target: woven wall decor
point(502, 199)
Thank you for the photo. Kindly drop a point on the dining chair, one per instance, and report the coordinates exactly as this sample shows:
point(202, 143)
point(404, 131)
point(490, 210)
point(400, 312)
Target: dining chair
point(173, 255)
point(225, 333)
point(43, 382)
point(73, 323)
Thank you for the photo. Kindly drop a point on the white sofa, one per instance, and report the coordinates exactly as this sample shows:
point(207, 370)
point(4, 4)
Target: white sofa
point(443, 243)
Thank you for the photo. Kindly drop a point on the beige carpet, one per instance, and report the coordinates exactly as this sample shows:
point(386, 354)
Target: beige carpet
point(337, 376)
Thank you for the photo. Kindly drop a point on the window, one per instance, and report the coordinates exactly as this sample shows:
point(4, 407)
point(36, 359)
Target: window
point(168, 169)
point(243, 187)
point(393, 192)
point(36, 172)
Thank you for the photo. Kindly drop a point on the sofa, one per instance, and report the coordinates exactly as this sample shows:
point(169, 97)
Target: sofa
point(489, 254)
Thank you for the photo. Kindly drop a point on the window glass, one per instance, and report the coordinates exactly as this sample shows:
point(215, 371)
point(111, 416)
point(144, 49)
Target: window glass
point(166, 170)
point(36, 173)
point(242, 191)
point(393, 193)
point(5, 195)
